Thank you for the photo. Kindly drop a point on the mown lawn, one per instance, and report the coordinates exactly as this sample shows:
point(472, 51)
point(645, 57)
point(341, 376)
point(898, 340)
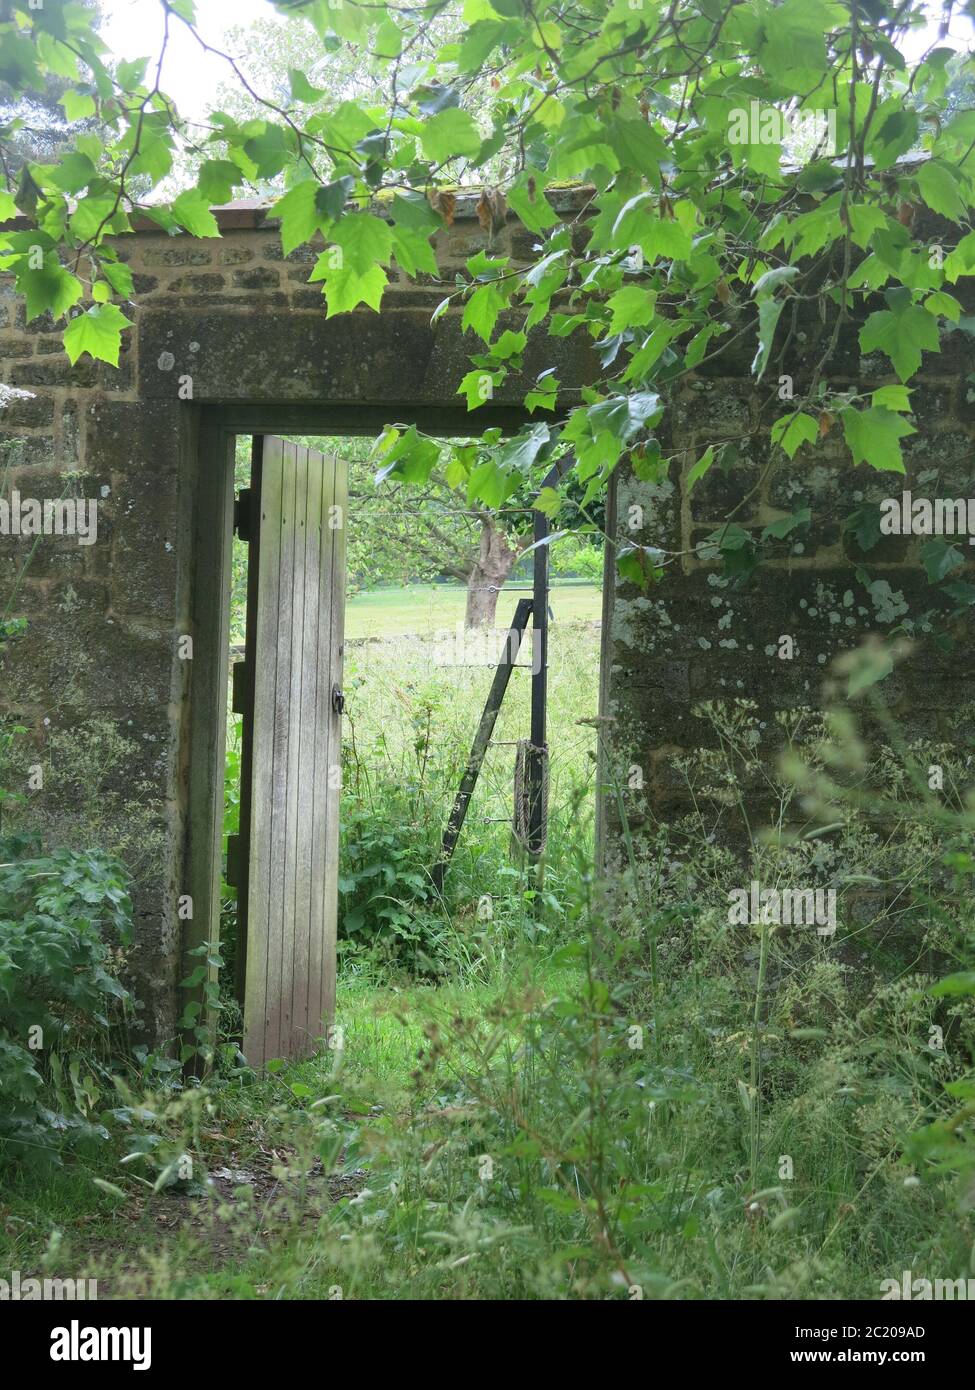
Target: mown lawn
point(429, 608)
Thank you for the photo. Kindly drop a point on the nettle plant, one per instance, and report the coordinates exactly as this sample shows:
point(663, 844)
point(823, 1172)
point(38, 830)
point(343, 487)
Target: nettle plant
point(750, 170)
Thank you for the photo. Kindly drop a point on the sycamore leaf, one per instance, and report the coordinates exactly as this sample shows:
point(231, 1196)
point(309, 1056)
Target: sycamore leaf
point(351, 267)
point(450, 134)
point(98, 332)
point(482, 309)
point(192, 211)
point(792, 431)
point(412, 459)
point(308, 208)
point(902, 331)
point(769, 312)
point(939, 186)
point(78, 106)
point(301, 88)
point(49, 287)
point(940, 302)
point(528, 202)
point(874, 437)
point(700, 468)
point(892, 397)
point(631, 307)
point(478, 386)
point(548, 502)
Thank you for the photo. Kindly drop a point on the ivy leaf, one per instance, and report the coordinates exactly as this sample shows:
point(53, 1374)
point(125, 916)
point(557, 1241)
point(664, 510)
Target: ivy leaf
point(940, 558)
point(874, 437)
point(792, 431)
point(901, 331)
point(98, 332)
point(778, 530)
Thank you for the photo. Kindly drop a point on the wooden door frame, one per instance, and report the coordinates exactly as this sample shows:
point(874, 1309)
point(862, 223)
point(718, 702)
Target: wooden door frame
point(210, 483)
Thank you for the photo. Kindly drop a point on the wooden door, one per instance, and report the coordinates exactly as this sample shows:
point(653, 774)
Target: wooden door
point(292, 858)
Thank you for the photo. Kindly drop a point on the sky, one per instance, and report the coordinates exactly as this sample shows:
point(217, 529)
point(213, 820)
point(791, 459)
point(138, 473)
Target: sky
point(133, 28)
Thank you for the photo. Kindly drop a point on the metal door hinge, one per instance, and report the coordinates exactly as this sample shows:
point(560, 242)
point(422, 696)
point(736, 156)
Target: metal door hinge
point(242, 514)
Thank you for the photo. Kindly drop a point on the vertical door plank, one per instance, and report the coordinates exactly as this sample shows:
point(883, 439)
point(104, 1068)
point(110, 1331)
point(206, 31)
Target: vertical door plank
point(297, 739)
point(260, 862)
point(337, 518)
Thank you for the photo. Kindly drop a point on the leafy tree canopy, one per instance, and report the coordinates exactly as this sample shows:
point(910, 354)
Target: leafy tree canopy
point(744, 164)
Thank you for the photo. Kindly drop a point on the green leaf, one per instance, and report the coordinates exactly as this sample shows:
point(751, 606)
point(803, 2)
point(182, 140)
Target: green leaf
point(631, 307)
point(192, 211)
point(49, 287)
point(700, 468)
point(528, 202)
point(449, 135)
point(351, 267)
point(792, 431)
point(902, 331)
point(874, 437)
point(217, 180)
point(939, 186)
point(778, 530)
point(769, 312)
point(268, 150)
point(301, 88)
point(482, 309)
point(940, 558)
point(478, 386)
point(97, 332)
point(944, 304)
point(414, 223)
point(892, 397)
point(78, 106)
point(299, 214)
point(953, 986)
point(411, 459)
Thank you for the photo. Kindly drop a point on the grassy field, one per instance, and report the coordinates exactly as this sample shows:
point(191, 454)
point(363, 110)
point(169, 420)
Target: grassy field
point(532, 1098)
point(429, 608)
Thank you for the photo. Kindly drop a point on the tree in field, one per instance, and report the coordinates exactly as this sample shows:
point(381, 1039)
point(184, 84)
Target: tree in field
point(35, 125)
point(701, 237)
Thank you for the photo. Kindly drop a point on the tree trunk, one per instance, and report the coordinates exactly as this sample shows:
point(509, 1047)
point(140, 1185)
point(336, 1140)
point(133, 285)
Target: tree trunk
point(495, 561)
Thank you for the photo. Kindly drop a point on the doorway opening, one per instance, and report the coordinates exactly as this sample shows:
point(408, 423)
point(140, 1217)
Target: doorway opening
point(419, 659)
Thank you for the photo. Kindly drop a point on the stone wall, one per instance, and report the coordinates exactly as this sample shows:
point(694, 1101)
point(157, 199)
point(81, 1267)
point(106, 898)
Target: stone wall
point(701, 636)
point(98, 675)
point(99, 662)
